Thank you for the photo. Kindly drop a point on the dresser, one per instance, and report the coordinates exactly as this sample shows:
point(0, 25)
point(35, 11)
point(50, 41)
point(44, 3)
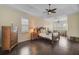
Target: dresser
point(9, 37)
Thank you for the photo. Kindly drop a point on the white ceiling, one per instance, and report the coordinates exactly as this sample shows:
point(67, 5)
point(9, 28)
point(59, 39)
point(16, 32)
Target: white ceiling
point(39, 9)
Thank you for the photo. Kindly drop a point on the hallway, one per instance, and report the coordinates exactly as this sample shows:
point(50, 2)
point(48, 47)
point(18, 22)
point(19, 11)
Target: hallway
point(44, 47)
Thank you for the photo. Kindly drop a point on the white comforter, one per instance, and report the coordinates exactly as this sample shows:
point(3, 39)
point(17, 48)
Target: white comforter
point(49, 36)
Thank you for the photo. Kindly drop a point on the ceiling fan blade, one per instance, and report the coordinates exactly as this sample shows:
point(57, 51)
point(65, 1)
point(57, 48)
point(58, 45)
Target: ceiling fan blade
point(53, 12)
point(54, 9)
point(47, 9)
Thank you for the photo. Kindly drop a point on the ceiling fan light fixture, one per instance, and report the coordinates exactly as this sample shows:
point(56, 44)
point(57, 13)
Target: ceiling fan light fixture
point(50, 11)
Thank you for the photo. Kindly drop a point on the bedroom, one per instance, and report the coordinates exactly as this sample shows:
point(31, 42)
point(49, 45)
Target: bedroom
point(60, 22)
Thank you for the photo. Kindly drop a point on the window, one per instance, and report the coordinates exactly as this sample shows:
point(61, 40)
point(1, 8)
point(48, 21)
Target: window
point(25, 24)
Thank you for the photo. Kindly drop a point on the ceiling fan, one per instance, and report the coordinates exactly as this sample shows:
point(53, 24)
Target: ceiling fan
point(50, 11)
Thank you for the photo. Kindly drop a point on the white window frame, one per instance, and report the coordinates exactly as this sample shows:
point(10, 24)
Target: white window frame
point(24, 24)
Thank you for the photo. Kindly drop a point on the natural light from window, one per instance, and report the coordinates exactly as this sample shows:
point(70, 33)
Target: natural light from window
point(25, 24)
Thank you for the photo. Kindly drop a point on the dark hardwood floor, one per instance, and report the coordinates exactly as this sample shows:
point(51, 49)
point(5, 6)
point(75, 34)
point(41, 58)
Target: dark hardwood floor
point(43, 46)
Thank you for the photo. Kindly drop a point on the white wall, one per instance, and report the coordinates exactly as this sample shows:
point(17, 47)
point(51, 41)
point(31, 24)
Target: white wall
point(9, 16)
point(73, 25)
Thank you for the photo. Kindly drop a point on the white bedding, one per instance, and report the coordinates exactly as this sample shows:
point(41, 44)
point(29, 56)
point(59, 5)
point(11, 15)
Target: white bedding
point(45, 35)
